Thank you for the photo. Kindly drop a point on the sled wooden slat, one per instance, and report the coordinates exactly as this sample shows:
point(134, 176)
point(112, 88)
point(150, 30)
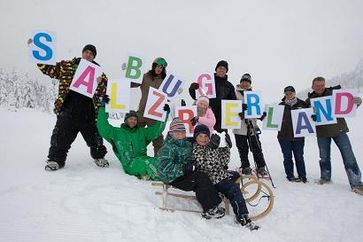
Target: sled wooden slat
point(259, 186)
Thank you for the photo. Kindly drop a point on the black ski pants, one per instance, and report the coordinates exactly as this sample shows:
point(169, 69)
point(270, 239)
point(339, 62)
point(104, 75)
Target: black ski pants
point(65, 132)
point(199, 182)
point(244, 143)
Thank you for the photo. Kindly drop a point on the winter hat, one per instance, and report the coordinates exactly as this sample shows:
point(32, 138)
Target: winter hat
point(176, 125)
point(201, 129)
point(91, 48)
point(202, 99)
point(222, 63)
point(289, 89)
point(161, 61)
point(246, 77)
point(130, 114)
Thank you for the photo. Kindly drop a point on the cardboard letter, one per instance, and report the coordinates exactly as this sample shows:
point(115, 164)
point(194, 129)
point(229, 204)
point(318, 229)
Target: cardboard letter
point(84, 80)
point(170, 86)
point(207, 86)
point(43, 48)
point(230, 110)
point(185, 115)
point(302, 123)
point(155, 104)
point(274, 117)
point(253, 101)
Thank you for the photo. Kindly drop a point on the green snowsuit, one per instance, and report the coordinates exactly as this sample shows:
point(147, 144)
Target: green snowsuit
point(129, 145)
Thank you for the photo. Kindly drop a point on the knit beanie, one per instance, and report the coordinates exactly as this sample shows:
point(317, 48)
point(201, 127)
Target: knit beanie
point(222, 63)
point(201, 129)
point(289, 89)
point(202, 99)
point(130, 114)
point(246, 77)
point(176, 125)
point(91, 48)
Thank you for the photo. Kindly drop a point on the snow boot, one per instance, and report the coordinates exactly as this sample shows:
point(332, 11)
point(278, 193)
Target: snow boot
point(247, 171)
point(358, 190)
point(247, 223)
point(101, 162)
point(52, 166)
point(216, 212)
point(262, 171)
point(322, 182)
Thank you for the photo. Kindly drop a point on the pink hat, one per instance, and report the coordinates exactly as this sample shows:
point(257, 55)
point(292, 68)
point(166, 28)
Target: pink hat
point(202, 99)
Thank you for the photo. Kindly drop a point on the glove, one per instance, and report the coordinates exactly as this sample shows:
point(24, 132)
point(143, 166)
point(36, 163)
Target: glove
point(180, 90)
point(357, 100)
point(222, 142)
point(182, 103)
point(228, 140)
point(194, 121)
point(166, 108)
point(244, 107)
point(257, 130)
point(123, 66)
point(241, 115)
point(313, 117)
point(264, 114)
point(194, 86)
point(188, 168)
point(214, 141)
point(104, 100)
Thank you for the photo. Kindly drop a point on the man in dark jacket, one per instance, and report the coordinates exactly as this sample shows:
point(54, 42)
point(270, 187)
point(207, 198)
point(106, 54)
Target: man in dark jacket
point(75, 112)
point(288, 143)
point(337, 132)
point(224, 90)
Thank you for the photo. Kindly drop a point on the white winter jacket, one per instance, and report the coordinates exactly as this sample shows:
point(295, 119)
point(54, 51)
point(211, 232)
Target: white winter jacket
point(243, 129)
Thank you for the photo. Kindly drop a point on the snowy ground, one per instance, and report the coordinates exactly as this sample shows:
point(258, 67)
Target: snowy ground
point(85, 203)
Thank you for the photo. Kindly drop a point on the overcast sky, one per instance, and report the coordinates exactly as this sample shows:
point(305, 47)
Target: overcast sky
point(280, 42)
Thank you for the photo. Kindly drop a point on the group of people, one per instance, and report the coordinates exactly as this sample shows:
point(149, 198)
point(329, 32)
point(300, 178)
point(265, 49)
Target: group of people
point(199, 164)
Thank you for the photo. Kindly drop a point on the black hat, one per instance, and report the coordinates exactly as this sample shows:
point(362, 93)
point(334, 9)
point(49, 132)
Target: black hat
point(130, 114)
point(222, 63)
point(91, 48)
point(201, 129)
point(289, 89)
point(246, 77)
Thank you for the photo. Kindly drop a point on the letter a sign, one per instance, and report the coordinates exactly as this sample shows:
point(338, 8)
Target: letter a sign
point(84, 80)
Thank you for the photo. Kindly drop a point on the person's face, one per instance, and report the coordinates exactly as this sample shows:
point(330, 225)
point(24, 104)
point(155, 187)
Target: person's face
point(131, 122)
point(221, 71)
point(88, 55)
point(178, 135)
point(245, 85)
point(290, 95)
point(319, 87)
point(202, 106)
point(202, 139)
point(159, 69)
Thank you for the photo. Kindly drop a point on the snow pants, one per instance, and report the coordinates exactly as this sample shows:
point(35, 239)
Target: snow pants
point(141, 166)
point(65, 132)
point(243, 143)
point(199, 182)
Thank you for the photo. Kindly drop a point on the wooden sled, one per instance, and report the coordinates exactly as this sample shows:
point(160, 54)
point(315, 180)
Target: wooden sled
point(258, 196)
